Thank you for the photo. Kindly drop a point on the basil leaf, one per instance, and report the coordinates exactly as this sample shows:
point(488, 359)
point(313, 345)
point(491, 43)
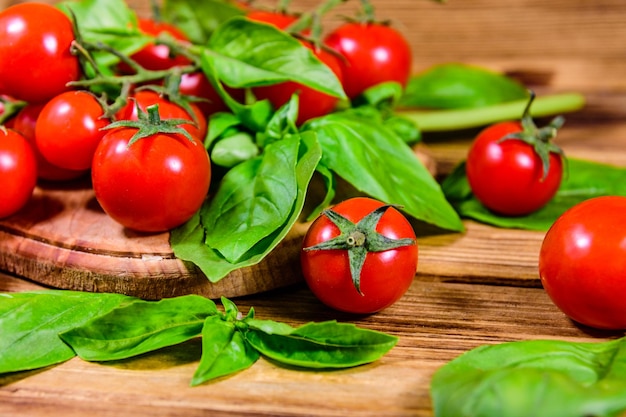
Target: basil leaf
point(453, 86)
point(110, 22)
point(583, 180)
point(198, 19)
point(245, 53)
point(30, 323)
point(140, 327)
point(377, 162)
point(538, 377)
point(233, 150)
point(253, 200)
point(322, 345)
point(224, 351)
point(219, 124)
point(188, 242)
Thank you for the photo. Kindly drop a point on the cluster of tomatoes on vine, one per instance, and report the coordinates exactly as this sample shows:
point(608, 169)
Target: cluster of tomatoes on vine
point(55, 128)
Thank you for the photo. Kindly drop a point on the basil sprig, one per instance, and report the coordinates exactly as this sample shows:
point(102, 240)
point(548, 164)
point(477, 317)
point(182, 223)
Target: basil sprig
point(43, 328)
point(548, 378)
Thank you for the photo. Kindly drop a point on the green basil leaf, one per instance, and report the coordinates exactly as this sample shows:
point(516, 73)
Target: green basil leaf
point(377, 162)
point(30, 323)
point(188, 242)
point(233, 150)
point(140, 327)
point(550, 378)
point(198, 19)
point(583, 180)
point(253, 200)
point(282, 123)
point(330, 185)
point(224, 351)
point(110, 22)
point(270, 326)
point(219, 124)
point(245, 53)
point(322, 345)
point(453, 86)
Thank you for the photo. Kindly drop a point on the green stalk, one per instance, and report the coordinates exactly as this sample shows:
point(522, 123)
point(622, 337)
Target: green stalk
point(444, 120)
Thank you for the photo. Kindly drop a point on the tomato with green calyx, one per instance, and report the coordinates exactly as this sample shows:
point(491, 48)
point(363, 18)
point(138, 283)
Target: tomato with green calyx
point(150, 175)
point(582, 262)
point(373, 53)
point(18, 172)
point(514, 168)
point(195, 121)
point(35, 52)
point(312, 103)
point(69, 128)
point(360, 256)
point(25, 122)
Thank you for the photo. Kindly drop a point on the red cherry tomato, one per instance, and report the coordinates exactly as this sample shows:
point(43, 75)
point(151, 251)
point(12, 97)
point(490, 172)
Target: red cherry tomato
point(167, 110)
point(507, 176)
point(35, 41)
point(24, 122)
point(277, 19)
point(582, 262)
point(155, 184)
point(156, 57)
point(385, 276)
point(312, 103)
point(68, 129)
point(18, 172)
point(374, 53)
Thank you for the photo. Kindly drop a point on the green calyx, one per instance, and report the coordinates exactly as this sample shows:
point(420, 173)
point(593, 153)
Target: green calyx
point(359, 239)
point(539, 138)
point(150, 123)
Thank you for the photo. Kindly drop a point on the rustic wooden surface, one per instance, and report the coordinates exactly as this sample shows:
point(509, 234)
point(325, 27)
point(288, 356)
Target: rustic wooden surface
point(573, 45)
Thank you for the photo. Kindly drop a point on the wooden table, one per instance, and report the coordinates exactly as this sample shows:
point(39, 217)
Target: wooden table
point(445, 313)
point(468, 290)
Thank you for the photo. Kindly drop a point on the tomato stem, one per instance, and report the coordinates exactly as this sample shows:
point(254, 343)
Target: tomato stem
point(446, 120)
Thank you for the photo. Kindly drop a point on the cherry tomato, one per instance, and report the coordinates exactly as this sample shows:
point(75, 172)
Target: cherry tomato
point(24, 122)
point(68, 129)
point(18, 172)
point(35, 41)
point(153, 56)
point(508, 176)
point(167, 110)
point(374, 53)
point(152, 185)
point(277, 19)
point(582, 262)
point(312, 103)
point(385, 276)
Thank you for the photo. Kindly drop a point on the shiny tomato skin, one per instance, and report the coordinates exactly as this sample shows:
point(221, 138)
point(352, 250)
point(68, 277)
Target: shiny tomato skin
point(167, 110)
point(157, 57)
point(373, 53)
point(582, 262)
point(507, 176)
point(18, 172)
point(69, 128)
point(35, 40)
point(25, 122)
point(312, 103)
point(385, 277)
point(153, 185)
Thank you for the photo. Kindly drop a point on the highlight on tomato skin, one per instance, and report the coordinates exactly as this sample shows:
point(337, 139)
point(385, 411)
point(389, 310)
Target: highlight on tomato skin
point(582, 263)
point(385, 276)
